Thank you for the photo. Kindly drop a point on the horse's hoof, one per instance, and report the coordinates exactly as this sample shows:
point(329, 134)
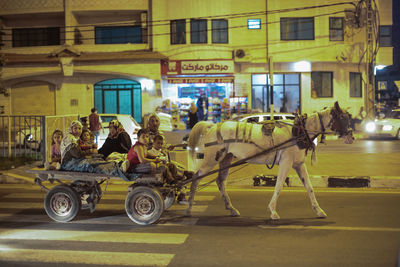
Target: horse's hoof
point(321, 214)
point(275, 216)
point(235, 213)
point(188, 213)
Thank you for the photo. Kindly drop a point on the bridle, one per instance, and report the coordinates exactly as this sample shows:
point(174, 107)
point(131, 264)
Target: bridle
point(339, 123)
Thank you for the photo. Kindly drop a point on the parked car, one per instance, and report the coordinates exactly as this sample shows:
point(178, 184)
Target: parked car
point(129, 123)
point(260, 117)
point(387, 127)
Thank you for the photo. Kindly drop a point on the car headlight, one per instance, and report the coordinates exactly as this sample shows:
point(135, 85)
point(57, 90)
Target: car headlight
point(387, 127)
point(370, 127)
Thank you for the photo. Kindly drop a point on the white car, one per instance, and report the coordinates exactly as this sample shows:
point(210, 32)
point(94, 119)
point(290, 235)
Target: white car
point(260, 117)
point(387, 127)
point(129, 124)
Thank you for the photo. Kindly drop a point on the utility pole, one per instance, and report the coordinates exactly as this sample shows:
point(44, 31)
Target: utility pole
point(271, 85)
point(370, 64)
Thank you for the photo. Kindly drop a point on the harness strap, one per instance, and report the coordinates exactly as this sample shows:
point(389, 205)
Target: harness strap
point(220, 140)
point(249, 136)
point(237, 131)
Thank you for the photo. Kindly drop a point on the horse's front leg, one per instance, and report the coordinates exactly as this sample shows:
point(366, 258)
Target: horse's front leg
point(193, 187)
point(284, 167)
point(221, 182)
point(304, 177)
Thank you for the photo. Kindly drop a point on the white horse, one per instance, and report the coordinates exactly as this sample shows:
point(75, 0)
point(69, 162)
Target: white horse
point(252, 143)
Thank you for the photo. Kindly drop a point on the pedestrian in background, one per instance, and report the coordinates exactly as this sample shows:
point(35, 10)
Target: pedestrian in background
point(95, 124)
point(192, 115)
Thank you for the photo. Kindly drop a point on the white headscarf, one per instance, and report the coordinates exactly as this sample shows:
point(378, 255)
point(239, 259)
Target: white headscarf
point(69, 141)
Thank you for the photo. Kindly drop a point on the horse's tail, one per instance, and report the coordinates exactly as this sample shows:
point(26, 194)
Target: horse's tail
point(195, 136)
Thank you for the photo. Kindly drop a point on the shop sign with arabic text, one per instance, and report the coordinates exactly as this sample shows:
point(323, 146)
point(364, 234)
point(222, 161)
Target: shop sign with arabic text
point(199, 67)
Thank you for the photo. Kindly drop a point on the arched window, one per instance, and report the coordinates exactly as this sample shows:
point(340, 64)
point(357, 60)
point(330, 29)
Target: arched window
point(119, 96)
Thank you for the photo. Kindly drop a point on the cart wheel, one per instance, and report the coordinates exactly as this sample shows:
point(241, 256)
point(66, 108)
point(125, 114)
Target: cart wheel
point(62, 203)
point(169, 199)
point(144, 205)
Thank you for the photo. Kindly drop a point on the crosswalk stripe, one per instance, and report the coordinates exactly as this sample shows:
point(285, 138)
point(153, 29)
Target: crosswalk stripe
point(86, 257)
point(92, 236)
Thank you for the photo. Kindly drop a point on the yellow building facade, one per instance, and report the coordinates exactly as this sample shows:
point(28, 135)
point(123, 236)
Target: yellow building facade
point(129, 56)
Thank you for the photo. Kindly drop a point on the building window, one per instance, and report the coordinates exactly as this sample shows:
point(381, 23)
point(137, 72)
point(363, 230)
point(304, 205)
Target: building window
point(385, 36)
point(220, 31)
point(198, 31)
point(36, 37)
point(297, 28)
point(253, 24)
point(286, 92)
point(355, 84)
point(118, 35)
point(178, 31)
point(336, 32)
point(321, 84)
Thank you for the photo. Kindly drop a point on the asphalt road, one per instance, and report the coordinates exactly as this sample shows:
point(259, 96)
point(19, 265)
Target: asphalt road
point(362, 229)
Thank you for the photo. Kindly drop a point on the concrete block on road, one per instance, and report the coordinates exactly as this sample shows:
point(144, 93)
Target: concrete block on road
point(348, 181)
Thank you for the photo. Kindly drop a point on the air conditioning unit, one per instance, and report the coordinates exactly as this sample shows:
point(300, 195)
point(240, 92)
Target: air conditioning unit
point(241, 55)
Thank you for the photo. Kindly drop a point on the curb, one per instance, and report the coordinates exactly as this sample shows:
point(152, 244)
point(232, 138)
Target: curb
point(331, 181)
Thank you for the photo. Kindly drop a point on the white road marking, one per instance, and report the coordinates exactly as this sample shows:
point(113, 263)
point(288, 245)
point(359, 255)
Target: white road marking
point(85, 257)
point(92, 236)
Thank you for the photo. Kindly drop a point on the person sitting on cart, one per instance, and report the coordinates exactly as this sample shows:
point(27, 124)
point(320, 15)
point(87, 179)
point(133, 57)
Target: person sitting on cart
point(153, 125)
point(70, 148)
point(87, 144)
point(118, 140)
point(157, 151)
point(55, 154)
point(138, 160)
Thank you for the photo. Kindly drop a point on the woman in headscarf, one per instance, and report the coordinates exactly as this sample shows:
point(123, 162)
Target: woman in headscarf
point(118, 140)
point(70, 148)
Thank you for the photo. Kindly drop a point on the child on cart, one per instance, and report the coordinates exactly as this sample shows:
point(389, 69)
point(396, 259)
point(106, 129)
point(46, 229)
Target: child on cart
point(55, 153)
point(87, 144)
point(175, 170)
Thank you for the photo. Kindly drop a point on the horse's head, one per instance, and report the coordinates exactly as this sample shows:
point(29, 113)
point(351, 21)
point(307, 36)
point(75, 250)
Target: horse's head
point(340, 123)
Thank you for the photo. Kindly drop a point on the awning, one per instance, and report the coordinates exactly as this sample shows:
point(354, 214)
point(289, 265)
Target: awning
point(201, 80)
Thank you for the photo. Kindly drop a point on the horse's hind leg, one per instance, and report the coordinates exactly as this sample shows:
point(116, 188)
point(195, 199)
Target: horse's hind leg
point(304, 177)
point(221, 182)
point(284, 167)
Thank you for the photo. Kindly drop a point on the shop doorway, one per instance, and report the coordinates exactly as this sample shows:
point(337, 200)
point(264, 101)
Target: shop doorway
point(286, 92)
point(119, 96)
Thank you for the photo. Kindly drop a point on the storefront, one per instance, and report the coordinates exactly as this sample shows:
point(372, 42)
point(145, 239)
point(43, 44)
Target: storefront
point(185, 81)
